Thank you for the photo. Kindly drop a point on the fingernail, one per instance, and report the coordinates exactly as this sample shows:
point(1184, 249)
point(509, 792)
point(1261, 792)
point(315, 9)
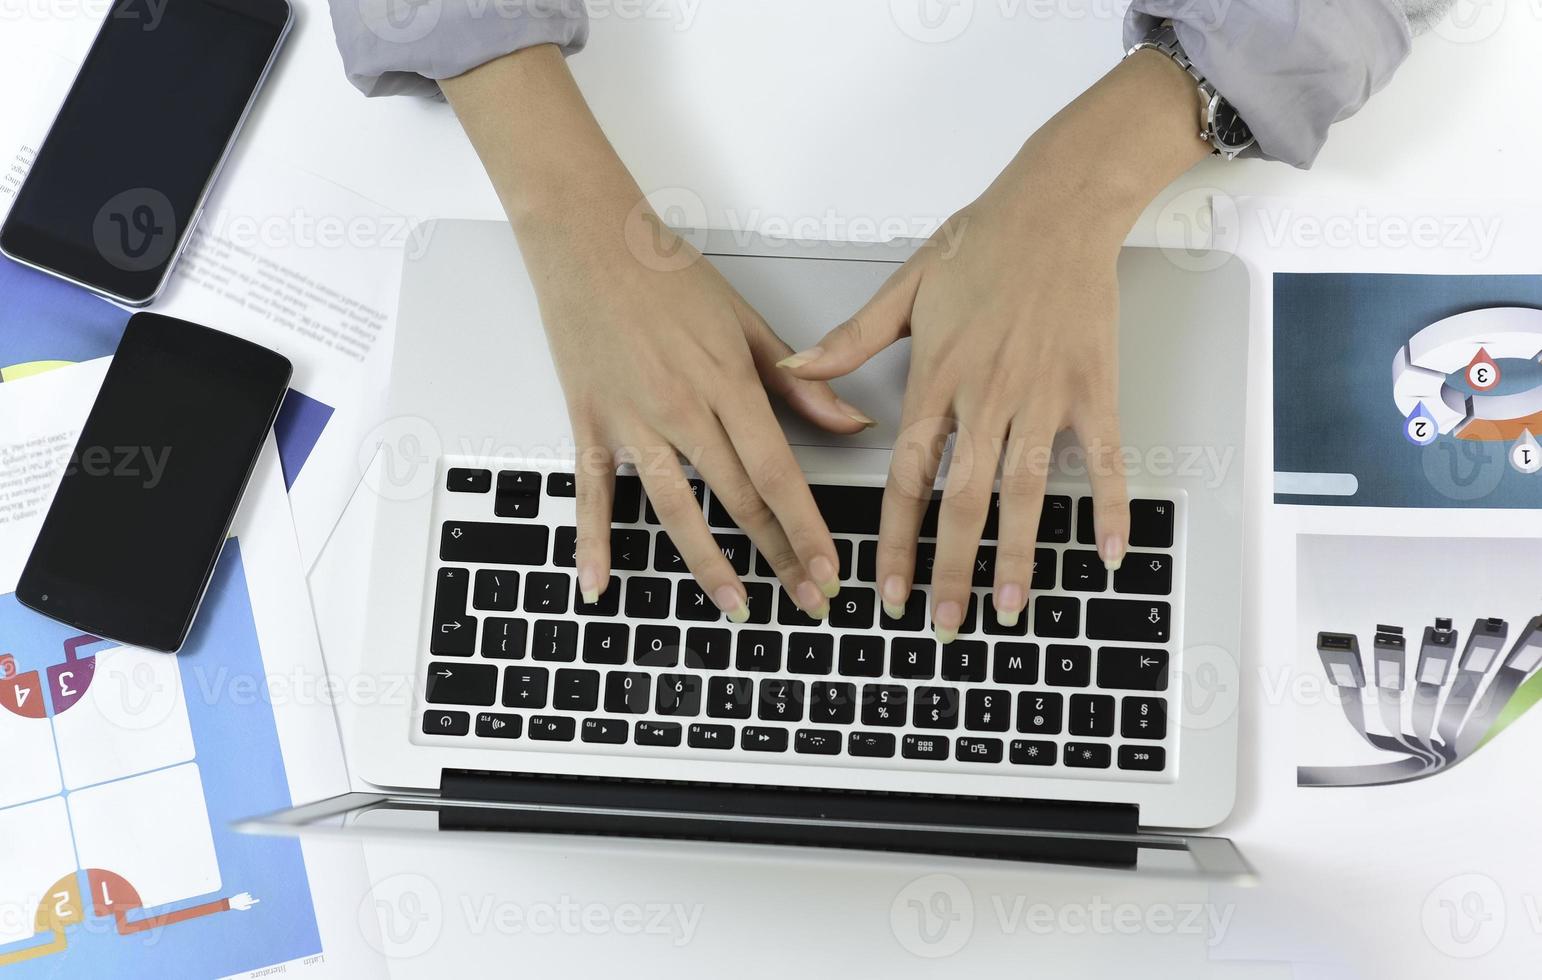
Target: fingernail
point(812, 600)
point(946, 620)
point(895, 592)
point(825, 573)
point(1113, 553)
point(589, 585)
point(853, 413)
point(893, 611)
point(801, 358)
point(1009, 604)
point(731, 602)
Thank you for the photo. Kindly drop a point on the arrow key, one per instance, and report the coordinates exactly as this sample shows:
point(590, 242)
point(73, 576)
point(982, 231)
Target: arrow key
point(461, 683)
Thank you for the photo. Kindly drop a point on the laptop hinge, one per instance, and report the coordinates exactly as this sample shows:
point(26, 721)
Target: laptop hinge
point(977, 826)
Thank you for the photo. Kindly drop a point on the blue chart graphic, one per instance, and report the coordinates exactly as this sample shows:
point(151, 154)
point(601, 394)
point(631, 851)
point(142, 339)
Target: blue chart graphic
point(44, 320)
point(124, 770)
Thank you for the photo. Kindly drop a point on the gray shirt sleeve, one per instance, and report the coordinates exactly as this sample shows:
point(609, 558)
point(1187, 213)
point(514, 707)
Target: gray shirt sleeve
point(1292, 68)
point(393, 47)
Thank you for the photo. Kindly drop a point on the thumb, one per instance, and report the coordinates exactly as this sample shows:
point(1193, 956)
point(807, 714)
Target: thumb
point(885, 319)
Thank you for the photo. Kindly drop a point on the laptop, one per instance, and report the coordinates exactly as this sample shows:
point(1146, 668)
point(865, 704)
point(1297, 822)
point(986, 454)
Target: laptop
point(1101, 728)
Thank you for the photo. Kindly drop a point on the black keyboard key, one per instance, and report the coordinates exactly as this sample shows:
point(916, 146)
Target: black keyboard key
point(1092, 715)
point(1087, 755)
point(1142, 758)
point(1083, 571)
point(700, 736)
point(460, 480)
point(693, 605)
point(679, 694)
point(451, 586)
point(503, 639)
point(1143, 718)
point(935, 707)
point(626, 692)
point(665, 733)
point(884, 705)
point(930, 747)
point(717, 514)
point(564, 547)
point(1129, 620)
point(756, 739)
point(608, 604)
point(524, 687)
point(1057, 617)
point(1031, 752)
point(985, 566)
point(914, 618)
point(552, 728)
point(606, 643)
point(1055, 520)
point(628, 549)
point(1151, 524)
point(758, 596)
point(848, 509)
point(964, 660)
point(455, 636)
point(781, 700)
point(870, 745)
point(461, 683)
point(576, 690)
point(853, 609)
point(1067, 666)
point(977, 749)
point(788, 613)
point(561, 485)
point(698, 488)
point(736, 548)
point(496, 589)
point(708, 648)
point(519, 494)
point(666, 557)
point(554, 639)
point(992, 625)
point(987, 710)
point(493, 725)
point(971, 615)
point(843, 558)
point(604, 731)
point(647, 598)
point(867, 561)
point(521, 508)
point(1086, 531)
point(1132, 668)
point(926, 557)
point(627, 500)
point(656, 646)
point(861, 656)
point(913, 657)
point(810, 653)
point(1039, 713)
point(1016, 663)
point(759, 650)
point(832, 703)
point(1043, 578)
point(547, 592)
point(446, 723)
point(1145, 573)
point(817, 741)
point(730, 697)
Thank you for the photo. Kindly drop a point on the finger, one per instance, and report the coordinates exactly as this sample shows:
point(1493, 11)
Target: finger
point(814, 400)
point(1024, 468)
point(1096, 422)
point(924, 431)
point(966, 501)
point(594, 478)
point(762, 448)
point(679, 511)
point(885, 319)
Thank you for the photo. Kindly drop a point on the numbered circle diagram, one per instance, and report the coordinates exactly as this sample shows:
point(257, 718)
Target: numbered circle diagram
point(1526, 455)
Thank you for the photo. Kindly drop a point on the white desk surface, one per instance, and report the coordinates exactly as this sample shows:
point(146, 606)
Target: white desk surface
point(803, 109)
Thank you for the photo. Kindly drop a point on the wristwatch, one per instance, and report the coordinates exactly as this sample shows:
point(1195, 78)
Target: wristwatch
point(1227, 133)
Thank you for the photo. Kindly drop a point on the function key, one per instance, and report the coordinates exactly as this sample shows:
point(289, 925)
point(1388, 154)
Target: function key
point(626, 500)
point(930, 747)
point(496, 589)
point(561, 485)
point(700, 736)
point(490, 725)
point(1142, 758)
point(461, 684)
point(698, 488)
point(1055, 520)
point(604, 731)
point(757, 739)
point(460, 480)
point(977, 749)
point(1087, 755)
point(817, 741)
point(1143, 718)
point(870, 745)
point(493, 544)
point(1032, 752)
point(552, 728)
point(1151, 523)
point(446, 723)
point(665, 733)
point(1132, 668)
point(1129, 620)
point(1145, 573)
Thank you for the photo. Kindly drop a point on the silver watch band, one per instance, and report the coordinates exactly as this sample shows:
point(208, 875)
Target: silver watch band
point(1164, 38)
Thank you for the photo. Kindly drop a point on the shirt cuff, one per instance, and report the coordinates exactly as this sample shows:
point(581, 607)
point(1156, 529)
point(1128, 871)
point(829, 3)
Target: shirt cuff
point(1291, 68)
point(403, 47)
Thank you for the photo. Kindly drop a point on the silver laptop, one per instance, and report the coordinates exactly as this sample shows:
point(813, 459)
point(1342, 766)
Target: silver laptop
point(1098, 726)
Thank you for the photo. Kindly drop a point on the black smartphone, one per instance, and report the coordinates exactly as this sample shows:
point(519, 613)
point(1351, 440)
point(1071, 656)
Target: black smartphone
point(130, 541)
point(119, 182)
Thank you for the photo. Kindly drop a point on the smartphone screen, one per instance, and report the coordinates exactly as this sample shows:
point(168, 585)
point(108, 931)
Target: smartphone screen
point(117, 183)
point(131, 539)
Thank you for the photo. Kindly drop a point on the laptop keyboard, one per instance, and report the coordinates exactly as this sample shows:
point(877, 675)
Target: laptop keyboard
point(1082, 686)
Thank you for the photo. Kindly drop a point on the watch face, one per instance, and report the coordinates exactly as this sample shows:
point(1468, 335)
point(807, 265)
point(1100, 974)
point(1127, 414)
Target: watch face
point(1230, 132)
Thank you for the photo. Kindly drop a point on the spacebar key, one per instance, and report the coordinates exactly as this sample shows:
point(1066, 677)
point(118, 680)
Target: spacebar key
point(493, 544)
